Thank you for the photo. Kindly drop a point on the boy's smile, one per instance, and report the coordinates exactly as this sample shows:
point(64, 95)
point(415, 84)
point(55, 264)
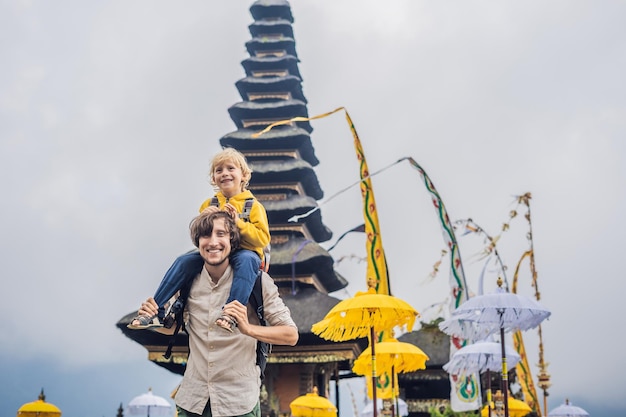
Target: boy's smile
point(229, 178)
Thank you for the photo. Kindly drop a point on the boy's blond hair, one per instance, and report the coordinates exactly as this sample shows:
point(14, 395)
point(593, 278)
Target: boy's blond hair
point(232, 155)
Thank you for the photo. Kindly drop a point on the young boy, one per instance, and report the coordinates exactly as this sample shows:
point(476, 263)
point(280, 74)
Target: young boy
point(230, 173)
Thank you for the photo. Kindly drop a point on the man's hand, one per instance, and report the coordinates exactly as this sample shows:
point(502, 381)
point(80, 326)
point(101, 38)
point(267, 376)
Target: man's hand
point(240, 313)
point(149, 308)
point(276, 335)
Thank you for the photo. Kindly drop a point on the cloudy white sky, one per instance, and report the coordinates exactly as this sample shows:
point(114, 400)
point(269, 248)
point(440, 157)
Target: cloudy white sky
point(111, 110)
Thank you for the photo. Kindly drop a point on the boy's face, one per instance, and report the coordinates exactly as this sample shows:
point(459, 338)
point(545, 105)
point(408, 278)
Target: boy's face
point(228, 178)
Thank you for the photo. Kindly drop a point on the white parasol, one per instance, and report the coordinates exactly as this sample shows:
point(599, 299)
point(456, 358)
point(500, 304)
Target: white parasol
point(568, 410)
point(488, 314)
point(480, 357)
point(149, 405)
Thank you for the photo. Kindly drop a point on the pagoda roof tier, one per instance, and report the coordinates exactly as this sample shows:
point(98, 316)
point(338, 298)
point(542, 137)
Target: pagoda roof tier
point(310, 259)
point(271, 9)
point(281, 137)
point(271, 88)
point(271, 46)
point(307, 306)
point(264, 172)
point(271, 64)
point(246, 114)
point(281, 211)
point(262, 28)
point(432, 341)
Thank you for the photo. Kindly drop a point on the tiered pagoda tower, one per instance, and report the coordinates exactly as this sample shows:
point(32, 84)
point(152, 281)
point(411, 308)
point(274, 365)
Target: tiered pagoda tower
point(285, 181)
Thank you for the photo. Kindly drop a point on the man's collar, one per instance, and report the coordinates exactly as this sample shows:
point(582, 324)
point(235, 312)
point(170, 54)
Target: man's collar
point(217, 279)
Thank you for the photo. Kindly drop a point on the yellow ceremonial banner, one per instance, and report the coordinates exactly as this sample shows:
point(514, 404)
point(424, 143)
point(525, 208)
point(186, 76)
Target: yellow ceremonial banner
point(522, 370)
point(376, 262)
point(524, 377)
point(384, 390)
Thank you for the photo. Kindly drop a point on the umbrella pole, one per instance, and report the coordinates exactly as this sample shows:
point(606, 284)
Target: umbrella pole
point(393, 392)
point(337, 391)
point(373, 343)
point(489, 392)
point(505, 378)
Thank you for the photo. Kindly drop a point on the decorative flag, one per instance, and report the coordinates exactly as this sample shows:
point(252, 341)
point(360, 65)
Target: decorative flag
point(376, 262)
point(464, 389)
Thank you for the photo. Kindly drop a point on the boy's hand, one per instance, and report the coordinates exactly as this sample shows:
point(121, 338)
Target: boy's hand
point(231, 210)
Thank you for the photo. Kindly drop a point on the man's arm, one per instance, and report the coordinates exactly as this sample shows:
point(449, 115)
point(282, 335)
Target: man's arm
point(276, 335)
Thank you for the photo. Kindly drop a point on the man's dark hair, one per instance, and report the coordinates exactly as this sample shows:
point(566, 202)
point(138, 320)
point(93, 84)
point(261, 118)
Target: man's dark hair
point(202, 226)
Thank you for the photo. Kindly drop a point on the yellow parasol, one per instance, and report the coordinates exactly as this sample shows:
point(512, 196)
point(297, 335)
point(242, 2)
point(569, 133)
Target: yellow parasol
point(517, 408)
point(363, 315)
point(312, 405)
point(39, 408)
point(355, 317)
point(392, 357)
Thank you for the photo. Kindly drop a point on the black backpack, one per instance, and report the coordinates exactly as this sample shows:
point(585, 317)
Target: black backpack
point(263, 349)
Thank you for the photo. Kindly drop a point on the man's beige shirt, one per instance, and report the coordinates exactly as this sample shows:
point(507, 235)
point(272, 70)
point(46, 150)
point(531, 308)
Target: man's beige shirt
point(222, 365)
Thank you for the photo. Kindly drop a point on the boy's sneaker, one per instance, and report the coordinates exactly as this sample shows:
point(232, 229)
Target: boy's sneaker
point(144, 322)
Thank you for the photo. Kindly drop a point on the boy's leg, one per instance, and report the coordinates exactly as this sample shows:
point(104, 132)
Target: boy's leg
point(184, 268)
point(246, 265)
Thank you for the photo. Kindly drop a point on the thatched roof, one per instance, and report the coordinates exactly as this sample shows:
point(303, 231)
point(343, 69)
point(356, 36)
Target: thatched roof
point(310, 258)
point(272, 44)
point(290, 83)
point(281, 137)
point(288, 62)
point(261, 27)
point(432, 341)
point(262, 9)
point(292, 170)
point(275, 110)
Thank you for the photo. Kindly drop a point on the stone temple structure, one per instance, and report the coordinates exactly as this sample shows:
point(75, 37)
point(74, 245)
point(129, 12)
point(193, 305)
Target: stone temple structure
point(284, 180)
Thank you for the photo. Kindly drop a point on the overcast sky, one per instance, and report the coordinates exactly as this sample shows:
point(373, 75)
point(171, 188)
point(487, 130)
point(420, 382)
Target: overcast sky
point(111, 110)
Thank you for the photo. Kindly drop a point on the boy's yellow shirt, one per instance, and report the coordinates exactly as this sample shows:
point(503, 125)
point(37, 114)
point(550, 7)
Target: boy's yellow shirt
point(255, 233)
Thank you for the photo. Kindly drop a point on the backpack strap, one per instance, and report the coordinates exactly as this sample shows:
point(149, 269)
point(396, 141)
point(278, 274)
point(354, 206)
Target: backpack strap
point(214, 202)
point(247, 208)
point(177, 312)
point(263, 349)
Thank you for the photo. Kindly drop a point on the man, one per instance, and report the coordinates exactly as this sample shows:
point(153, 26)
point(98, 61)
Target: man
point(221, 378)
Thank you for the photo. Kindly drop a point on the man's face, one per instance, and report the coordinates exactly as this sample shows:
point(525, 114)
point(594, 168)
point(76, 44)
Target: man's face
point(215, 249)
